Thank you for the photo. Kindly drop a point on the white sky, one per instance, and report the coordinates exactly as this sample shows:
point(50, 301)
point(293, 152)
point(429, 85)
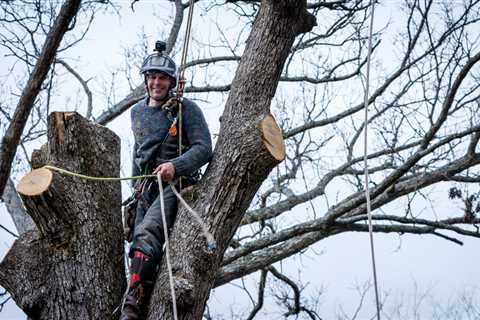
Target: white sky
point(442, 268)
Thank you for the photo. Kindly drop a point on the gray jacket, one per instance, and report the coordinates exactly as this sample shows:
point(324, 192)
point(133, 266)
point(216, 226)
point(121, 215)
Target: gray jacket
point(154, 145)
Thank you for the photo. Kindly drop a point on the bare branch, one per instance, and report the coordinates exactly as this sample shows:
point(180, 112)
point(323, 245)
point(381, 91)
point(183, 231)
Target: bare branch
point(261, 292)
point(136, 95)
point(84, 84)
point(12, 136)
point(177, 24)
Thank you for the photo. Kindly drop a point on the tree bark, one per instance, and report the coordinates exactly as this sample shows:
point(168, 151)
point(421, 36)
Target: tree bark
point(10, 140)
point(72, 266)
point(241, 161)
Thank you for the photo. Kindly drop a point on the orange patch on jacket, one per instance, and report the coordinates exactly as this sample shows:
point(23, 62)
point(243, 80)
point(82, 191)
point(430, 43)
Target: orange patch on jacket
point(173, 130)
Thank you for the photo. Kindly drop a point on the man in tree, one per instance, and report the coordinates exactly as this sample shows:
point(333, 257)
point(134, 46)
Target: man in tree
point(156, 133)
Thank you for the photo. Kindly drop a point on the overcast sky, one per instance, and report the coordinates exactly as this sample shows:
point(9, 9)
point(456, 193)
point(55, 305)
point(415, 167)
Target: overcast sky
point(408, 266)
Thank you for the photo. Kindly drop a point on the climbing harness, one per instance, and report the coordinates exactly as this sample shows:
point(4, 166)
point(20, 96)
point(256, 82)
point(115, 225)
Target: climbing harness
point(173, 131)
point(179, 98)
point(211, 244)
point(365, 159)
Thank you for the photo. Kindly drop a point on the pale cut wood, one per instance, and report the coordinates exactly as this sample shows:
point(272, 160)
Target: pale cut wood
point(12, 136)
point(240, 165)
point(272, 137)
point(35, 182)
point(72, 265)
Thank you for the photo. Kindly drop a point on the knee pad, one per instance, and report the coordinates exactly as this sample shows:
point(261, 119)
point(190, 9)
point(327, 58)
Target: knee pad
point(143, 267)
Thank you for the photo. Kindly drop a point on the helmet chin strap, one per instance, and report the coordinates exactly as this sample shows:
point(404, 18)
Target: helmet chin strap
point(161, 99)
point(164, 99)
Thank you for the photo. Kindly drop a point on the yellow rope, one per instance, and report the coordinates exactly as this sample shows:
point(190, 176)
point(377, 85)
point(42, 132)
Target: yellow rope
point(212, 246)
point(78, 175)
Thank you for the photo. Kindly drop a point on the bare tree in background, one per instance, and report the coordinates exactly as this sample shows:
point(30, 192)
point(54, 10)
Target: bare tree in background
point(423, 122)
point(31, 35)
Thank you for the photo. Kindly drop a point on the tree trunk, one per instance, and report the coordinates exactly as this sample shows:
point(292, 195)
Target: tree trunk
point(72, 266)
point(242, 161)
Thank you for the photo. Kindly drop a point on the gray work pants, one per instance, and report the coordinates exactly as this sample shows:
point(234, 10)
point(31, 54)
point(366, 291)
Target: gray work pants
point(148, 236)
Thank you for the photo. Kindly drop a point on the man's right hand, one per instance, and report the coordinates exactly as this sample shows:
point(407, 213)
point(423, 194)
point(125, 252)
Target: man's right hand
point(166, 171)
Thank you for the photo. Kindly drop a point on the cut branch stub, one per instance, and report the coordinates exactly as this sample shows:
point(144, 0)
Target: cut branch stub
point(272, 137)
point(241, 161)
point(35, 182)
point(78, 245)
point(43, 197)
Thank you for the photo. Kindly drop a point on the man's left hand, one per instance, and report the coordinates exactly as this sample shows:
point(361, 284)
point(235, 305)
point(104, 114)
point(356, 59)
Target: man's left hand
point(166, 170)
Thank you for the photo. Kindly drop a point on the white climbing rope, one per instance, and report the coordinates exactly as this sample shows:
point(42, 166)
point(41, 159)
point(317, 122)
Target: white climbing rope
point(210, 240)
point(181, 77)
point(211, 244)
point(167, 250)
point(365, 159)
point(208, 236)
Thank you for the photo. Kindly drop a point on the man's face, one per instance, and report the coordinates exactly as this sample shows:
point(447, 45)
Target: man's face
point(158, 85)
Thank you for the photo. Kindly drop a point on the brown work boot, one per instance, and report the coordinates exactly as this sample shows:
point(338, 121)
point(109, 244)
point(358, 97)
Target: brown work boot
point(143, 271)
point(136, 302)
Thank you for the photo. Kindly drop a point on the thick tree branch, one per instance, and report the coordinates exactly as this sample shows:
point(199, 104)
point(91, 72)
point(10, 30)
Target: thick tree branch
point(15, 208)
point(136, 95)
point(261, 293)
point(401, 188)
point(409, 184)
point(25, 104)
point(212, 60)
point(79, 237)
point(268, 255)
point(224, 200)
point(177, 24)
